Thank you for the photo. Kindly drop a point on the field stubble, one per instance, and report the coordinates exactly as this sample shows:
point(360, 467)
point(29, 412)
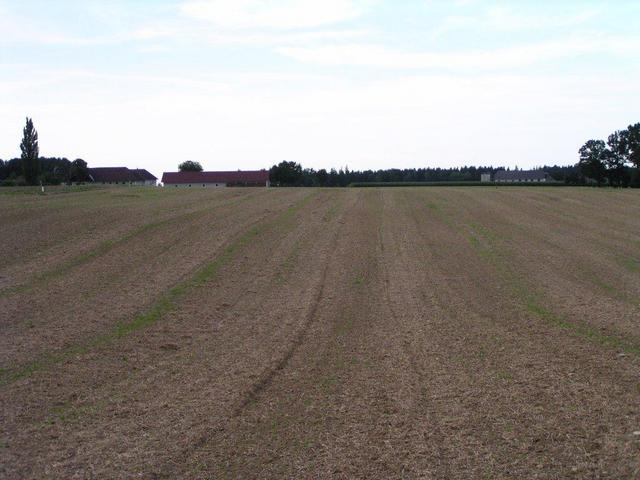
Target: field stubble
point(402, 333)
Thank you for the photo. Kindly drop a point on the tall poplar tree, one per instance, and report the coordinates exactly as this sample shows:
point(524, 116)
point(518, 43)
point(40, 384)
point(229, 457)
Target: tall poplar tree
point(30, 153)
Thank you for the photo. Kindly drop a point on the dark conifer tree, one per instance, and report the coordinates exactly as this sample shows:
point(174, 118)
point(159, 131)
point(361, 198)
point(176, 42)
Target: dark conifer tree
point(30, 153)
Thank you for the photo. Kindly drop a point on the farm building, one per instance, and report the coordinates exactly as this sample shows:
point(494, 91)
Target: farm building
point(256, 178)
point(145, 176)
point(517, 176)
point(121, 176)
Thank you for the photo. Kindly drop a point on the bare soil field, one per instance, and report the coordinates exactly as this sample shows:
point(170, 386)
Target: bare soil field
point(410, 333)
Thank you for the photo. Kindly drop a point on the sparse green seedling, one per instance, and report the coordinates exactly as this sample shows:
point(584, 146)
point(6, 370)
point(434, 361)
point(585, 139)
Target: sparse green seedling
point(328, 383)
point(504, 375)
point(163, 305)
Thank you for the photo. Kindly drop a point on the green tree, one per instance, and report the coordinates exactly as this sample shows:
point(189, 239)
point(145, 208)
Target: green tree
point(286, 174)
point(30, 153)
point(614, 159)
point(322, 177)
point(630, 144)
point(78, 171)
point(592, 160)
point(190, 166)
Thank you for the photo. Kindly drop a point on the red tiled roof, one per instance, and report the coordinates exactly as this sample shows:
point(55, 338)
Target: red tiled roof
point(119, 174)
point(256, 176)
point(110, 174)
point(144, 174)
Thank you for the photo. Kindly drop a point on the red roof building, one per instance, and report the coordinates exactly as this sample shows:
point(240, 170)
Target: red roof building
point(121, 176)
point(255, 178)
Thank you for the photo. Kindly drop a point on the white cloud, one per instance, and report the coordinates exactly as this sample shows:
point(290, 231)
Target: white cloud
point(18, 29)
point(259, 38)
point(524, 55)
point(273, 14)
point(500, 18)
point(507, 19)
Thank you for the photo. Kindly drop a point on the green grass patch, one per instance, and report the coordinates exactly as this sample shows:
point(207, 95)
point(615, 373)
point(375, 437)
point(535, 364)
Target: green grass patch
point(504, 375)
point(49, 189)
point(475, 241)
point(289, 263)
point(345, 326)
point(331, 213)
point(481, 353)
point(165, 304)
point(626, 345)
point(485, 232)
point(456, 184)
point(102, 249)
point(610, 289)
point(439, 211)
point(497, 257)
point(359, 280)
point(630, 264)
point(329, 383)
point(66, 413)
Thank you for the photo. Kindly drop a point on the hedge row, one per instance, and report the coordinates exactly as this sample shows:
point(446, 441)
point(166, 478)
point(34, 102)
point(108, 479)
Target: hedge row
point(458, 184)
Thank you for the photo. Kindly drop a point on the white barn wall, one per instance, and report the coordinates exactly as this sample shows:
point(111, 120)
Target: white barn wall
point(196, 185)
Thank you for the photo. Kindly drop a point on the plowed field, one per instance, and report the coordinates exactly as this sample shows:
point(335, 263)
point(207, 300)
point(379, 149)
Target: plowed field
point(290, 333)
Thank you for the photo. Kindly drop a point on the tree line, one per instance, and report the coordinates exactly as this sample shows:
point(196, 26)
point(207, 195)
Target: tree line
point(292, 174)
point(47, 171)
point(32, 169)
point(615, 163)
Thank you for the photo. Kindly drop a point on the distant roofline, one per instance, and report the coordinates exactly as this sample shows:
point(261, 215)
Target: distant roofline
point(123, 174)
point(230, 176)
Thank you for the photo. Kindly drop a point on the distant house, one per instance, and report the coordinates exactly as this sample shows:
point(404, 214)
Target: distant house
point(256, 178)
point(121, 176)
point(485, 177)
point(522, 176)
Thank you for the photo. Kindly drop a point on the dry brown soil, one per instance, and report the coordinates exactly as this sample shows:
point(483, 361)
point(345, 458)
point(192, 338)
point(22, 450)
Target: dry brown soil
point(417, 333)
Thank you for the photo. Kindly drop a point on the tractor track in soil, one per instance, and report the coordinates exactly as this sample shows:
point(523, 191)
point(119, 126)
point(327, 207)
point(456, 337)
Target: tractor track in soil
point(251, 393)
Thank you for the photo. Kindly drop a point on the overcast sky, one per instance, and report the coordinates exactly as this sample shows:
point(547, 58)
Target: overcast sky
point(244, 84)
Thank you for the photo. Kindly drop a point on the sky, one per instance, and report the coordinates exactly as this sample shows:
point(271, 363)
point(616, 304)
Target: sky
point(363, 84)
